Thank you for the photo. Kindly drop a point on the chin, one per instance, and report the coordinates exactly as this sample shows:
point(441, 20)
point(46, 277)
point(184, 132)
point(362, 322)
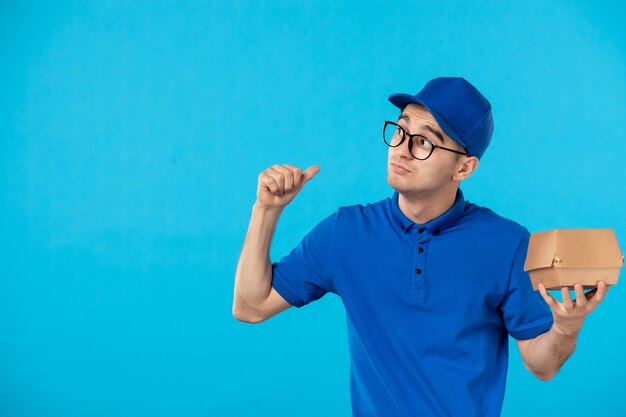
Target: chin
point(403, 185)
point(398, 184)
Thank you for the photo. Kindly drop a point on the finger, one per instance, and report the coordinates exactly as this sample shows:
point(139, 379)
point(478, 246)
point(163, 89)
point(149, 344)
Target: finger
point(581, 300)
point(287, 173)
point(547, 297)
point(297, 175)
point(567, 299)
point(599, 296)
point(279, 178)
point(310, 173)
point(589, 294)
point(270, 183)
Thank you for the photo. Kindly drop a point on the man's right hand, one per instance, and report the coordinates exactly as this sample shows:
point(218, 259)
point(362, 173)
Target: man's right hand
point(279, 184)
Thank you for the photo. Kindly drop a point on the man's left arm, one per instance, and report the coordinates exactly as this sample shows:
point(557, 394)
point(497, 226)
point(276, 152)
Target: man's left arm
point(545, 354)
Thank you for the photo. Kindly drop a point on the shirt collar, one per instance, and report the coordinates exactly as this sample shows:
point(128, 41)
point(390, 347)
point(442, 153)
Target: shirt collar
point(434, 226)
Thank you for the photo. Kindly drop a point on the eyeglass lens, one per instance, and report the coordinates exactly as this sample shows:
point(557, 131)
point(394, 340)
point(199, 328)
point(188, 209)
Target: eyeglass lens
point(420, 147)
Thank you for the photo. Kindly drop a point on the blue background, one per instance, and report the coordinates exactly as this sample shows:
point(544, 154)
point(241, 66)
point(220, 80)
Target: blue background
point(131, 139)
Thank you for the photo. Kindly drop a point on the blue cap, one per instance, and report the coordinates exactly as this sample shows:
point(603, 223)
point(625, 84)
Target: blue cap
point(459, 108)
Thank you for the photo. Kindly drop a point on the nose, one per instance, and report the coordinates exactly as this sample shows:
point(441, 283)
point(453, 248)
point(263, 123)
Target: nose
point(404, 150)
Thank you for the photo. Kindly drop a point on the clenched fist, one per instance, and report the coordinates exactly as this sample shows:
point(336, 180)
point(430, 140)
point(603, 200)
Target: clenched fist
point(279, 184)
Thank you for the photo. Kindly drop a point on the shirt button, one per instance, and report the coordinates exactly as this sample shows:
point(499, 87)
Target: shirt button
point(420, 250)
point(418, 271)
point(421, 229)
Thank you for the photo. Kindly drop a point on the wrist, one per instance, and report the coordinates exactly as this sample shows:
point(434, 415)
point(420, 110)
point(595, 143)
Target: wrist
point(566, 332)
point(266, 210)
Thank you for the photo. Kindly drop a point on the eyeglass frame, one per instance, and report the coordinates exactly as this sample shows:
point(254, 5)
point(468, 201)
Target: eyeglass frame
point(411, 136)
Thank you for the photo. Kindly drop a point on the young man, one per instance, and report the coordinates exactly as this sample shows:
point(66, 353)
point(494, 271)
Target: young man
point(432, 284)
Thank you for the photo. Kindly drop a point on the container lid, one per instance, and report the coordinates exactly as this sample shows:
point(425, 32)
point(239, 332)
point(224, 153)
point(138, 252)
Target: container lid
point(573, 248)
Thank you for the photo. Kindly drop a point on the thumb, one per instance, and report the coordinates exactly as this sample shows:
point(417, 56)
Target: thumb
point(309, 173)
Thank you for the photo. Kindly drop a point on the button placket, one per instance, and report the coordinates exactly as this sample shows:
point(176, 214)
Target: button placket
point(418, 287)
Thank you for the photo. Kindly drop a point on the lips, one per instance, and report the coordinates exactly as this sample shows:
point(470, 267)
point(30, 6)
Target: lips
point(400, 166)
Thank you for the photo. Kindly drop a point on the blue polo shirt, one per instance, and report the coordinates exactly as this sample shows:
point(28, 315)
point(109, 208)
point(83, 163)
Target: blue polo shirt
point(429, 307)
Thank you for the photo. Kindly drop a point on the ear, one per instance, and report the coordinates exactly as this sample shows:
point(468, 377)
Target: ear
point(465, 167)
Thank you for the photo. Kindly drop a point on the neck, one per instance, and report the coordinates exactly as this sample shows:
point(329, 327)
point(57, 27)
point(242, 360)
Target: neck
point(422, 208)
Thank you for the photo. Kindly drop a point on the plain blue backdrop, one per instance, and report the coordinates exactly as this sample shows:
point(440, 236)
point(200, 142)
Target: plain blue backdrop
point(131, 138)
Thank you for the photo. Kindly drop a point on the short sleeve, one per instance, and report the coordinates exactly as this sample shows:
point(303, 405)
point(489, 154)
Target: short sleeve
point(304, 275)
point(524, 311)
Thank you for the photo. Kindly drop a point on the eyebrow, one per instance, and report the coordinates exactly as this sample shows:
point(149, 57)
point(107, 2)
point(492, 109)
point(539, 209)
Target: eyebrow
point(434, 131)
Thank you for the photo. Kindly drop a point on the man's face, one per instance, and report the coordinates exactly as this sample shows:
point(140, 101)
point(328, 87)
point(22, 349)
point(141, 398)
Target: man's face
point(423, 176)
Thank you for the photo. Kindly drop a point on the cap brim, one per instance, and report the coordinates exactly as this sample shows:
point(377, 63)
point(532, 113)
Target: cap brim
point(400, 100)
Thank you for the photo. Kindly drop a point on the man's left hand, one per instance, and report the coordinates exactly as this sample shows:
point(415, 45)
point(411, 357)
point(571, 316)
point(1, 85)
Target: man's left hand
point(570, 314)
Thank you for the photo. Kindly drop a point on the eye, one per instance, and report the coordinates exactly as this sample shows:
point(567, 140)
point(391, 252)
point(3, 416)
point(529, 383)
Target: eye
point(423, 142)
point(400, 131)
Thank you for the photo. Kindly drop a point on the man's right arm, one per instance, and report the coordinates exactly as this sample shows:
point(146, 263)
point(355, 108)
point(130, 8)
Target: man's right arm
point(255, 299)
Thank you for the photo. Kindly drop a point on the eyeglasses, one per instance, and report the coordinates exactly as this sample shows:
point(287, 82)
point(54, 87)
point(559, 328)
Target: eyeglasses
point(419, 146)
